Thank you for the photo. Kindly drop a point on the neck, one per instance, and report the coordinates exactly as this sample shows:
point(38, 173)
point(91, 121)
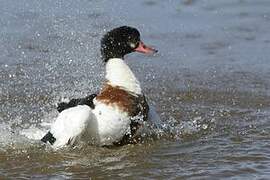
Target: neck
point(119, 74)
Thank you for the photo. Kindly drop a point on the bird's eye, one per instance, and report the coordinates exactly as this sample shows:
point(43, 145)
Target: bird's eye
point(132, 45)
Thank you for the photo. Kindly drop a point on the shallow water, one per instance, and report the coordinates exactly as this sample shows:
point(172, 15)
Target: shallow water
point(210, 84)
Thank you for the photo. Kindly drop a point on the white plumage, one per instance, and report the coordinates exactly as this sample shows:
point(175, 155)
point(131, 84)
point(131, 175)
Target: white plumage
point(109, 119)
point(103, 125)
point(119, 74)
point(71, 124)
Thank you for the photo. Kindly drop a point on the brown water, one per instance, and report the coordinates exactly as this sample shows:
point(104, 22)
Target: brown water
point(210, 84)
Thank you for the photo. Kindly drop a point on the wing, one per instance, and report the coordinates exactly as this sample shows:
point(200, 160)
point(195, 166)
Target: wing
point(69, 126)
point(88, 100)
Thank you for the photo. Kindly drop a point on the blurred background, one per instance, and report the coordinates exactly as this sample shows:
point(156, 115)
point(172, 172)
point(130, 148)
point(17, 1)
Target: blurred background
point(209, 82)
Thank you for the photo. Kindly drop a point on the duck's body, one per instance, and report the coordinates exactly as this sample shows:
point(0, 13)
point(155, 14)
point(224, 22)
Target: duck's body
point(113, 116)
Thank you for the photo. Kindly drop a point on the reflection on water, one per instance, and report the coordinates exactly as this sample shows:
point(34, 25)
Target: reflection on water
point(210, 83)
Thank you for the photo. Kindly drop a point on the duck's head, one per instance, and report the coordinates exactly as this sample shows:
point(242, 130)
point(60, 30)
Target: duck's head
point(121, 41)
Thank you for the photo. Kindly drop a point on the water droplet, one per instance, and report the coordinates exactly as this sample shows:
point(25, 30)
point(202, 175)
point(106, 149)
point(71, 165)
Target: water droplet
point(204, 126)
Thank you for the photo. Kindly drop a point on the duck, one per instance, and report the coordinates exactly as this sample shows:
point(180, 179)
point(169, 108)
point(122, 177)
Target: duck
point(115, 115)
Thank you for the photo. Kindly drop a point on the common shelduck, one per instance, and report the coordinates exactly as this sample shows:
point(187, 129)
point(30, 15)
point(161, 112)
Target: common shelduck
point(114, 115)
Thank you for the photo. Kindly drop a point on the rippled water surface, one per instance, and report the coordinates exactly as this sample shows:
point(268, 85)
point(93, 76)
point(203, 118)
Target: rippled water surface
point(209, 82)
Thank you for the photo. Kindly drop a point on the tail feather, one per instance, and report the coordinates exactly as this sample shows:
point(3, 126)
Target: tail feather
point(48, 137)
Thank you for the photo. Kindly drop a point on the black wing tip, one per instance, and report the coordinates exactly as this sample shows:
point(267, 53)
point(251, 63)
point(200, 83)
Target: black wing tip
point(62, 106)
point(88, 100)
point(48, 137)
